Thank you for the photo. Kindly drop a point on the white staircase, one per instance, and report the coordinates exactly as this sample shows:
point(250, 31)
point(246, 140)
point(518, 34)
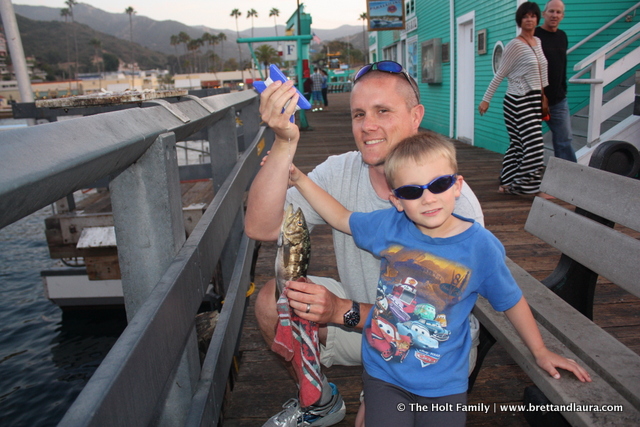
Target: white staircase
point(609, 115)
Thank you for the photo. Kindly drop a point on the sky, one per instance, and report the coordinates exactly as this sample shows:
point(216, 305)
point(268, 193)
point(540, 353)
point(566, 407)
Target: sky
point(325, 14)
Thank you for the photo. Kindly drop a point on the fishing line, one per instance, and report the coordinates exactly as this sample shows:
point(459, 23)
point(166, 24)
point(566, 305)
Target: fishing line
point(290, 162)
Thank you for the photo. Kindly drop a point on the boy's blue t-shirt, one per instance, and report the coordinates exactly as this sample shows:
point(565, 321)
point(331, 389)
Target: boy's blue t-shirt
point(417, 334)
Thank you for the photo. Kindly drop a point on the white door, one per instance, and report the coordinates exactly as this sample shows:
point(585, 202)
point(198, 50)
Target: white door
point(465, 82)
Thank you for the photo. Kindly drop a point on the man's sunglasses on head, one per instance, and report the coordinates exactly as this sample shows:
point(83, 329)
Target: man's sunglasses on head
point(391, 67)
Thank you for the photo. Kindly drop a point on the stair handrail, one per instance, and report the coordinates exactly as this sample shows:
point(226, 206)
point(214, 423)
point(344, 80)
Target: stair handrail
point(602, 75)
point(604, 27)
point(611, 48)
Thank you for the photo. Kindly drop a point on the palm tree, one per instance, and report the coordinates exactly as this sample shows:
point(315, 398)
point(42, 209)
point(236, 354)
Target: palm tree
point(252, 13)
point(184, 38)
point(236, 14)
point(211, 40)
point(175, 41)
point(72, 3)
point(365, 48)
point(275, 13)
point(222, 37)
point(97, 44)
point(194, 46)
point(66, 14)
point(266, 55)
point(131, 11)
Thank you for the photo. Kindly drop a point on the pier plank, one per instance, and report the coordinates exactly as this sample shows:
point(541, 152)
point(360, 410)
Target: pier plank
point(262, 384)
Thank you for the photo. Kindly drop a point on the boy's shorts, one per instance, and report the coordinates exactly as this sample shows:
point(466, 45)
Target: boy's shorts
point(344, 345)
point(388, 404)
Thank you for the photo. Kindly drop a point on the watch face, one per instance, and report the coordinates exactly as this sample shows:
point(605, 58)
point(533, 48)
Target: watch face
point(352, 317)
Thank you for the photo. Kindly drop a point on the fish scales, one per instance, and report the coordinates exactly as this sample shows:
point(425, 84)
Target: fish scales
point(294, 248)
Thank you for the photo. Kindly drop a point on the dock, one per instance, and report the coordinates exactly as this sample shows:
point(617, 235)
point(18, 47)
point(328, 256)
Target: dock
point(259, 382)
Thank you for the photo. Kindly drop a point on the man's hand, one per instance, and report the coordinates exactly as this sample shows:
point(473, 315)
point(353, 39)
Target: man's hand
point(272, 103)
point(268, 191)
point(323, 306)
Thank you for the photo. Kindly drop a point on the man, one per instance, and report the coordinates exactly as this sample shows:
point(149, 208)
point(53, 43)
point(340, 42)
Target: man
point(385, 108)
point(325, 88)
point(317, 78)
point(554, 46)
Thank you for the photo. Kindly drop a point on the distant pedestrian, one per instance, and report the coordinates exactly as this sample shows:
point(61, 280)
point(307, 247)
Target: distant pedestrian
point(325, 85)
point(317, 78)
point(554, 45)
point(307, 86)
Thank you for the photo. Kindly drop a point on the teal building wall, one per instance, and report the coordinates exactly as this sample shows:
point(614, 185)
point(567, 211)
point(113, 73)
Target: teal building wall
point(497, 17)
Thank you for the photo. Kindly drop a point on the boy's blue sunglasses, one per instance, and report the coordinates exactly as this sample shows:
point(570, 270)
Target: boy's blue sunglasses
point(388, 67)
point(437, 186)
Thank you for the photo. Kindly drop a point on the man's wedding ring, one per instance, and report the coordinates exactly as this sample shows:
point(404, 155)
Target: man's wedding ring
point(308, 308)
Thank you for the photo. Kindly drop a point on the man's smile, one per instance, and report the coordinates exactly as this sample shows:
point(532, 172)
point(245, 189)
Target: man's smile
point(373, 141)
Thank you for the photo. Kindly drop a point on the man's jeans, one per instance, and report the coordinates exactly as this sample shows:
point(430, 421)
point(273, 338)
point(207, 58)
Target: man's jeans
point(560, 126)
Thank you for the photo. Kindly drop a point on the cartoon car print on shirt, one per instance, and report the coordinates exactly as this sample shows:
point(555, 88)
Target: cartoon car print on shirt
point(402, 300)
point(437, 331)
point(384, 337)
point(419, 334)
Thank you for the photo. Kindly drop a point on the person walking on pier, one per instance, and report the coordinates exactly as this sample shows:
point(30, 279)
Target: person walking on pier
point(318, 79)
point(525, 66)
point(385, 108)
point(554, 45)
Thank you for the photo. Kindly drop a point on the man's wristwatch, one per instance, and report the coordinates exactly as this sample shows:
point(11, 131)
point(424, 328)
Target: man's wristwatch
point(352, 317)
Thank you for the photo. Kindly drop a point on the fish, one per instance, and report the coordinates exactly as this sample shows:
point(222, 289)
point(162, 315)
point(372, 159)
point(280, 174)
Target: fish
point(294, 249)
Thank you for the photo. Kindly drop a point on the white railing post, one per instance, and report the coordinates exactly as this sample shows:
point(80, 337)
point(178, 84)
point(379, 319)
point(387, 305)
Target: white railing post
point(595, 103)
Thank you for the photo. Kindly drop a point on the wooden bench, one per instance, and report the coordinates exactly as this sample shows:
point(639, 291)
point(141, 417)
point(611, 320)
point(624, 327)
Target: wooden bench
point(590, 247)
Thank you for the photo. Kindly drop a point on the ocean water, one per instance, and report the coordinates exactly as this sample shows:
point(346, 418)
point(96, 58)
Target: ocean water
point(46, 356)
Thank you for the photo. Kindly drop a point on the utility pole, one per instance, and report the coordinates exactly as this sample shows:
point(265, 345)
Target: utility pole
point(17, 52)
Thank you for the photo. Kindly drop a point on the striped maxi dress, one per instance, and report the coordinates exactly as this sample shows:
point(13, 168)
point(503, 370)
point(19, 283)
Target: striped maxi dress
point(526, 71)
point(522, 163)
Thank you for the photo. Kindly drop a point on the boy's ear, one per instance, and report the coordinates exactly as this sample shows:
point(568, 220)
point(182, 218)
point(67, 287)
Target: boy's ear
point(396, 202)
point(458, 186)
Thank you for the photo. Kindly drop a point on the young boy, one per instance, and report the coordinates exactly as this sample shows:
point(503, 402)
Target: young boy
point(434, 265)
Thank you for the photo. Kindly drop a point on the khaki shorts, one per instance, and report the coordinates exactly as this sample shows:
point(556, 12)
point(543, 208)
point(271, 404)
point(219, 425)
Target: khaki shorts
point(344, 345)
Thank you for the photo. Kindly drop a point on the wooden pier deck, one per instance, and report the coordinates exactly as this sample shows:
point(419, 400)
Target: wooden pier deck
point(261, 384)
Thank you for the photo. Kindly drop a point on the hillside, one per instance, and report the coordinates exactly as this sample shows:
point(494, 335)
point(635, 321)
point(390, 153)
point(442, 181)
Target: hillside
point(47, 42)
point(156, 35)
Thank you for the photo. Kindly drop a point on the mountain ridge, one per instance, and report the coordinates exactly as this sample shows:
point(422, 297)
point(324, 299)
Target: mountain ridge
point(156, 35)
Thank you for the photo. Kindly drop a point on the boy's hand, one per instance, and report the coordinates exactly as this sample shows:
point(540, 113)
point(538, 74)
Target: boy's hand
point(294, 175)
point(549, 361)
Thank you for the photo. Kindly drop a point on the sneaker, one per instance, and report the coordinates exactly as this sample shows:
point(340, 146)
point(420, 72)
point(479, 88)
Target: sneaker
point(318, 416)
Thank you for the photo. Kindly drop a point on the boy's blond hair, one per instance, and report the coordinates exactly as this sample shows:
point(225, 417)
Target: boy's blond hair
point(418, 147)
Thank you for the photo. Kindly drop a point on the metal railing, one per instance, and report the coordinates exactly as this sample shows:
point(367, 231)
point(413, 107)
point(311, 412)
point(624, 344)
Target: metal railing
point(152, 375)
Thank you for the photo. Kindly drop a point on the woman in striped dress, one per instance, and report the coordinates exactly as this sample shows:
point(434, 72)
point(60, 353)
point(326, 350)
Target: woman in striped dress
point(525, 67)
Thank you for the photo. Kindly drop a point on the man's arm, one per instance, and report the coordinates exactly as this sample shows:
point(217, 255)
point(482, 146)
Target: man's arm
point(267, 195)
